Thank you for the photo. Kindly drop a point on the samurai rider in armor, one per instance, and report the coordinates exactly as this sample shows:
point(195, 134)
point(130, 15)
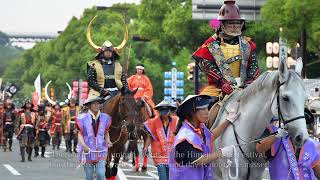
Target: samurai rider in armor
point(1, 123)
point(70, 114)
point(42, 136)
point(40, 114)
point(26, 134)
point(227, 57)
point(56, 126)
point(9, 122)
point(105, 75)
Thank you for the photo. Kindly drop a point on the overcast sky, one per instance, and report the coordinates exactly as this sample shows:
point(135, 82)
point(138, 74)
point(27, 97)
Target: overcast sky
point(44, 16)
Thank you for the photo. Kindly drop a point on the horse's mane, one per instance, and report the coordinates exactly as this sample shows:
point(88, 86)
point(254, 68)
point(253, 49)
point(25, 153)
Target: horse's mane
point(268, 80)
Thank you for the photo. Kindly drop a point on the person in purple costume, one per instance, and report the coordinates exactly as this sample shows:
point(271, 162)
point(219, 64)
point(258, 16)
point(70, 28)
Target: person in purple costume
point(287, 161)
point(193, 148)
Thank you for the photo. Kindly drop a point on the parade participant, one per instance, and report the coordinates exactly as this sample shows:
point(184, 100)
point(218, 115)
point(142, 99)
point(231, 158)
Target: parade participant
point(1, 123)
point(56, 127)
point(42, 136)
point(40, 112)
point(193, 147)
point(287, 161)
point(227, 55)
point(105, 75)
point(26, 130)
point(93, 138)
point(70, 114)
point(143, 85)
point(161, 136)
point(9, 122)
point(48, 114)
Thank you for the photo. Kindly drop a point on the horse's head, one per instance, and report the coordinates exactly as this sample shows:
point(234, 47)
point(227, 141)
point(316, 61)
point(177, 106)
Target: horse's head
point(127, 106)
point(289, 100)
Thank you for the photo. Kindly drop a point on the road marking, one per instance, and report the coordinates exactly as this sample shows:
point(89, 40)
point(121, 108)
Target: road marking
point(121, 175)
point(12, 170)
point(153, 175)
point(139, 177)
point(126, 169)
point(149, 173)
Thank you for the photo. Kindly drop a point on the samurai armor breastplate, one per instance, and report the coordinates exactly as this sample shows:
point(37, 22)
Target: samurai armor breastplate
point(108, 70)
point(232, 55)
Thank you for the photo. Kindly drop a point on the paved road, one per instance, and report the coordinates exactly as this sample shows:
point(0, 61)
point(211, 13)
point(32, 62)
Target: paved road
point(61, 165)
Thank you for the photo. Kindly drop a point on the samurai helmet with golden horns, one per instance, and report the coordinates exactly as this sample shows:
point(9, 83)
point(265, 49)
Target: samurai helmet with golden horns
point(107, 45)
point(52, 102)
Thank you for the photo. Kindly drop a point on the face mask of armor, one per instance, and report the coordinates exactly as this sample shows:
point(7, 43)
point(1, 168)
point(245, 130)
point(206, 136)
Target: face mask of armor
point(232, 27)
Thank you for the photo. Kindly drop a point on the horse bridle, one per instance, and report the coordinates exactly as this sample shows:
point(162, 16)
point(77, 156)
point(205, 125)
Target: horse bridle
point(280, 116)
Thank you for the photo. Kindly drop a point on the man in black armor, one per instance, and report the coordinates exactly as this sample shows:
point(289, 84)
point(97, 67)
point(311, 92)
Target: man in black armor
point(9, 121)
point(105, 74)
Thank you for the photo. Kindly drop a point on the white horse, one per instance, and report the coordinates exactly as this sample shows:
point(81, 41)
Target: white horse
point(278, 91)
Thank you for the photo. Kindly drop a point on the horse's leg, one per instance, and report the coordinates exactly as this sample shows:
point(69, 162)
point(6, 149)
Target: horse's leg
point(136, 155)
point(145, 154)
point(108, 169)
point(126, 152)
point(114, 169)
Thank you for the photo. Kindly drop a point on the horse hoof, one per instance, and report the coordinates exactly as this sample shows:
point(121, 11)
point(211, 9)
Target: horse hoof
point(143, 168)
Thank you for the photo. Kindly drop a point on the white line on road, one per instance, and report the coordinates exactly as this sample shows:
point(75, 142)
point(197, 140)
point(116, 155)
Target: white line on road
point(153, 175)
point(139, 177)
point(12, 170)
point(121, 175)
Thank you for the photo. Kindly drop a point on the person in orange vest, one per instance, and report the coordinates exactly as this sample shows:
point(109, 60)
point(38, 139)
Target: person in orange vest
point(161, 137)
point(143, 85)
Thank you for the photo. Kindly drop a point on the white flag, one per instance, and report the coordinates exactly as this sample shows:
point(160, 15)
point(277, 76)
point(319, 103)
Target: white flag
point(37, 85)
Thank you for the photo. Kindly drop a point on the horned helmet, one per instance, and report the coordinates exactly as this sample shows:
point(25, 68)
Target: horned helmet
point(107, 45)
point(27, 101)
point(232, 23)
point(52, 102)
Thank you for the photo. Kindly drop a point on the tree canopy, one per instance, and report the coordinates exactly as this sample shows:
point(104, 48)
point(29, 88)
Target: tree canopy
point(173, 35)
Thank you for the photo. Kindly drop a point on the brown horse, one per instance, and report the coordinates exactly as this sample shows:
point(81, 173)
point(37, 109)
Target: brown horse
point(121, 109)
point(136, 131)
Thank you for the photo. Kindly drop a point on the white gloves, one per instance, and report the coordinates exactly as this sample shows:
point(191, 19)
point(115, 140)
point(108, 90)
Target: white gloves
point(281, 133)
point(227, 152)
point(233, 112)
point(232, 117)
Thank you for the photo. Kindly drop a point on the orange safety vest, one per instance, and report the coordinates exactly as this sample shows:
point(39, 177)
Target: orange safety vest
point(161, 143)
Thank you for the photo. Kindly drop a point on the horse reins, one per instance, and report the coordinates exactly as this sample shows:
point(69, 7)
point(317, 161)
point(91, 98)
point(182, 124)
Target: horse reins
point(123, 126)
